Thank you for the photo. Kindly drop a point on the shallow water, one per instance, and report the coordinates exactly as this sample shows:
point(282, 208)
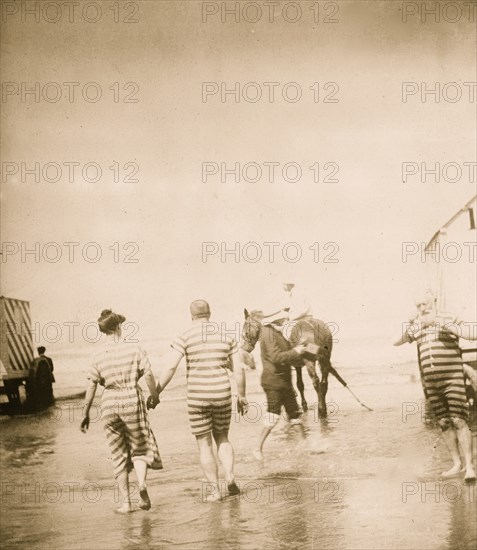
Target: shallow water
point(352, 357)
point(361, 480)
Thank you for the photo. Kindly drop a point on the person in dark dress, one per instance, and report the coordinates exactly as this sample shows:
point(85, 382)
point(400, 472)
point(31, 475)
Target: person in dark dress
point(41, 356)
point(39, 383)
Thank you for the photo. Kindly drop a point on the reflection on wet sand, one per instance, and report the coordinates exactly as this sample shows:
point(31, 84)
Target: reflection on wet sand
point(137, 531)
point(360, 480)
point(463, 509)
point(223, 524)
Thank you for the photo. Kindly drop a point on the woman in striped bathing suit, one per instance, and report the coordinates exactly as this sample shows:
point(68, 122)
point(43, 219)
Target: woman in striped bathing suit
point(118, 367)
point(442, 373)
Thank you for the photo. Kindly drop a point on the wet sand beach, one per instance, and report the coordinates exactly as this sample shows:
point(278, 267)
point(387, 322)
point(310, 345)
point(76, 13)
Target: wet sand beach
point(361, 480)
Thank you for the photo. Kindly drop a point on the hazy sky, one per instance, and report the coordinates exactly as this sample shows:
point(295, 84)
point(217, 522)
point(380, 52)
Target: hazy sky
point(170, 132)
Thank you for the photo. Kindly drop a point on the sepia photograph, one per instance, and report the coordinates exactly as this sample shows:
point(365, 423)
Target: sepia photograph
point(238, 274)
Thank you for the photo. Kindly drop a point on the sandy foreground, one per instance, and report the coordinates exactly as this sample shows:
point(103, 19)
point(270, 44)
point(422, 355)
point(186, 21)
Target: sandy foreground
point(360, 480)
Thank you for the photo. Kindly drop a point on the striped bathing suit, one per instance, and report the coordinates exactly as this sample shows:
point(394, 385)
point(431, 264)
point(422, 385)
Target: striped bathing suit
point(440, 361)
point(118, 367)
point(207, 354)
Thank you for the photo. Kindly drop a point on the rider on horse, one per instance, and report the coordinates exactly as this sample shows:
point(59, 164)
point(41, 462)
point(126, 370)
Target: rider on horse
point(297, 304)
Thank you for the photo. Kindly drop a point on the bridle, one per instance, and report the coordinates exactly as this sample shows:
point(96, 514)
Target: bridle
point(250, 334)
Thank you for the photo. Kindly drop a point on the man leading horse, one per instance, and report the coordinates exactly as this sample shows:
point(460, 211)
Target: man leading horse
point(301, 328)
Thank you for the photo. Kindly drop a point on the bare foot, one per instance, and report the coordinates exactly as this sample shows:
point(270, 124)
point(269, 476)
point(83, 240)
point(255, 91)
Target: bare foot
point(212, 493)
point(469, 474)
point(125, 509)
point(213, 498)
point(454, 471)
point(258, 455)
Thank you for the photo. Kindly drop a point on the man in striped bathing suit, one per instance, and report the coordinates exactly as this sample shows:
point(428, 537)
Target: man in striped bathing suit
point(209, 354)
point(442, 373)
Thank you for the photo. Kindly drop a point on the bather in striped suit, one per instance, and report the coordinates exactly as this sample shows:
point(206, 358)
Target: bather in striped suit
point(118, 367)
point(440, 362)
point(207, 351)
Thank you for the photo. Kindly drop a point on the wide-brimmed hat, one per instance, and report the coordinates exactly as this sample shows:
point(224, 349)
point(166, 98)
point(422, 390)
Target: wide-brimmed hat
point(273, 317)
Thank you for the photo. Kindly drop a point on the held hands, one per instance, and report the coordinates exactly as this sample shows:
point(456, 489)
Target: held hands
point(152, 402)
point(85, 424)
point(242, 405)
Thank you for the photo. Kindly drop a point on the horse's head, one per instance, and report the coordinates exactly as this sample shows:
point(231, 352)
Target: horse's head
point(251, 329)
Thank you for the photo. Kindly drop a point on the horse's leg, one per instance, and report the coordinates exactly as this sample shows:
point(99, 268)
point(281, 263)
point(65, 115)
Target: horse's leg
point(311, 369)
point(322, 389)
point(301, 387)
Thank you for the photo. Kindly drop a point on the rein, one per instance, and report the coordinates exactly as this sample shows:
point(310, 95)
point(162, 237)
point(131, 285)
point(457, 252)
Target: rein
point(250, 326)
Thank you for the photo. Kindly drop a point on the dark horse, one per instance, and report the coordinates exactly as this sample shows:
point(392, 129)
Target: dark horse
point(306, 330)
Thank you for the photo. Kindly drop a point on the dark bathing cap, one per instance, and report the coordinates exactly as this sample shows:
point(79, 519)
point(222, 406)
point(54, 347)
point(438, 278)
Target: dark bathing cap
point(199, 308)
point(109, 321)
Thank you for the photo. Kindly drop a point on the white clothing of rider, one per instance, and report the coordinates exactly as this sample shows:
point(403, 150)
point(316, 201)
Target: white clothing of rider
point(297, 306)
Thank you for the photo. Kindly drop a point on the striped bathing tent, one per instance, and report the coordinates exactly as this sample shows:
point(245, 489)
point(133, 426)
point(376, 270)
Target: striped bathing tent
point(17, 344)
point(450, 258)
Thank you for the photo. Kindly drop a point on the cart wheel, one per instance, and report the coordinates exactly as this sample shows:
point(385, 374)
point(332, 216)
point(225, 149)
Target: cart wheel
point(11, 387)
